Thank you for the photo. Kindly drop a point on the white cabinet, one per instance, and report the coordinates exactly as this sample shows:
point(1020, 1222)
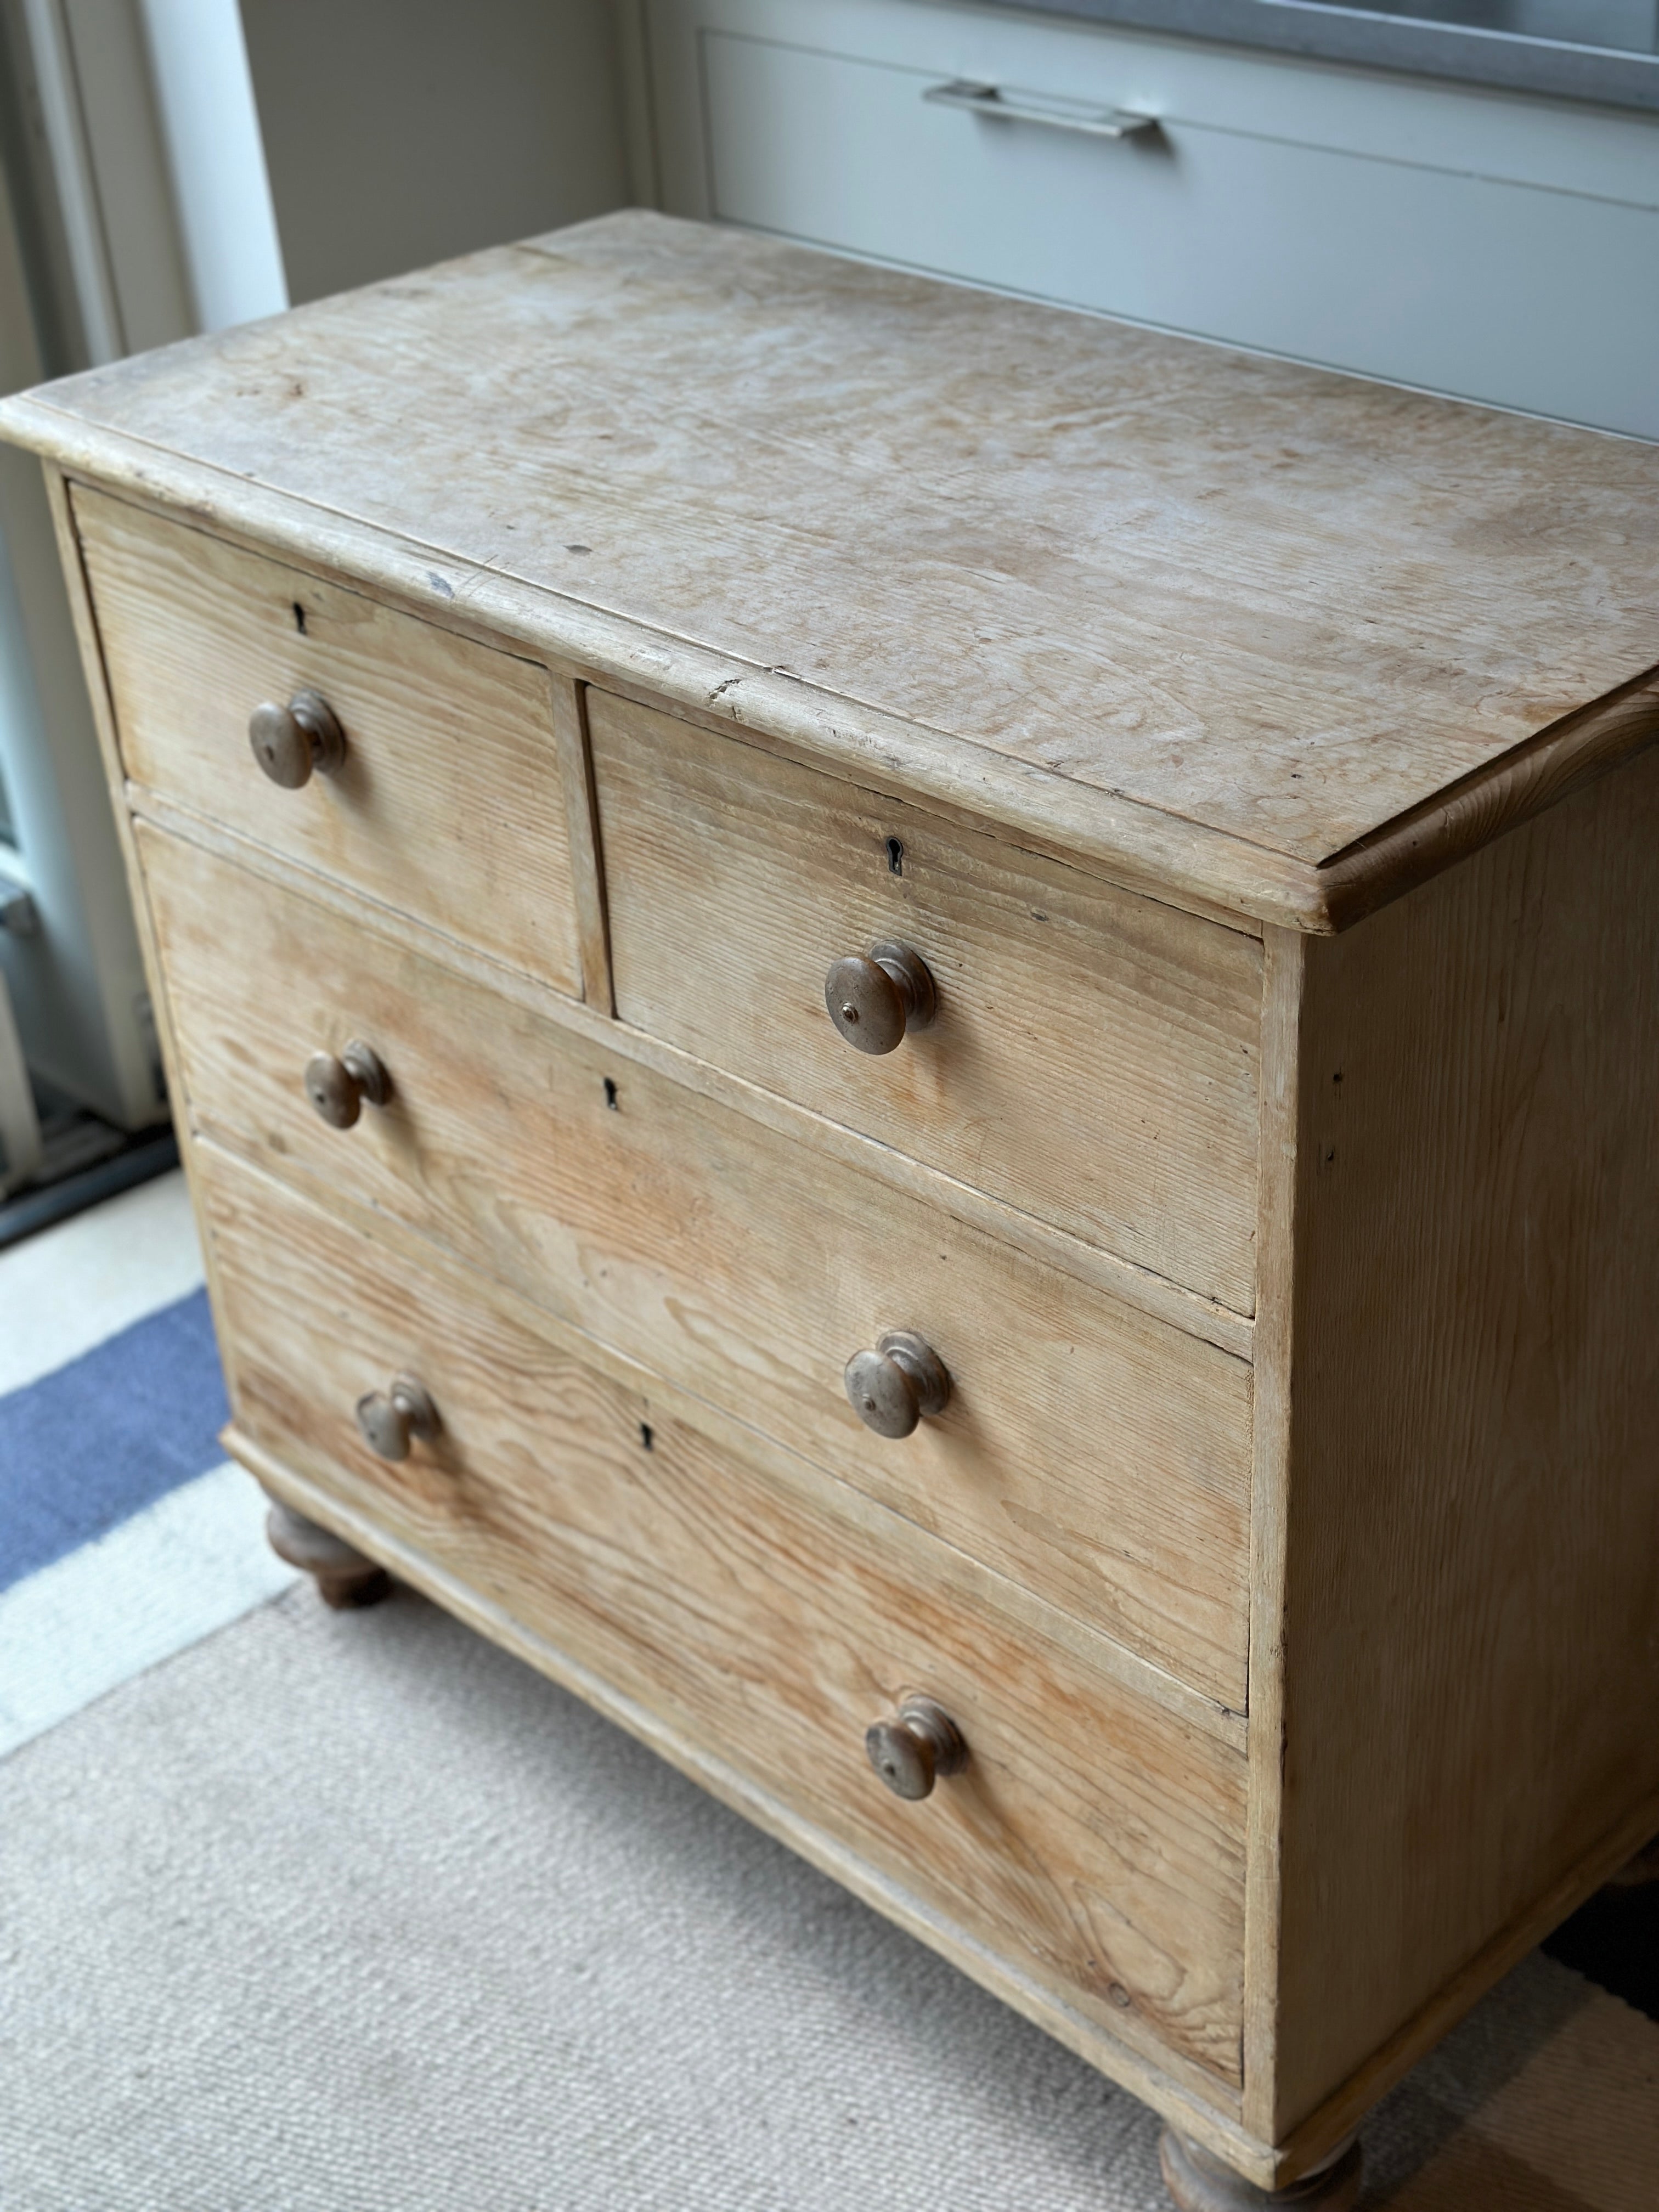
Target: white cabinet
point(1486, 244)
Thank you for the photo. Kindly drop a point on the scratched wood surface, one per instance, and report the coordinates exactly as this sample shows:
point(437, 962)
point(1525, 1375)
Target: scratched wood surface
point(1246, 596)
point(1098, 1456)
point(1467, 1412)
point(1091, 1836)
point(1094, 1057)
point(450, 806)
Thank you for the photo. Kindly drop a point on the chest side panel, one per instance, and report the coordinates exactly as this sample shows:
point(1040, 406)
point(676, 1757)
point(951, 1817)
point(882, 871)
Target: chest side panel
point(1472, 1567)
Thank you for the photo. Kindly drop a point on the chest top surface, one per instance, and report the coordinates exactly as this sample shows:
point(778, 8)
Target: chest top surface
point(1137, 589)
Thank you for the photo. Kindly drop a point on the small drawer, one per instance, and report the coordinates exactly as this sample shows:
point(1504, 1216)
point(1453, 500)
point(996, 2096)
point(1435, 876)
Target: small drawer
point(1090, 1838)
point(1093, 1057)
point(1097, 1456)
point(447, 804)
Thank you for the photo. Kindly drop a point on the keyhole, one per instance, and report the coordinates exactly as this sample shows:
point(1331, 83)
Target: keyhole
point(894, 857)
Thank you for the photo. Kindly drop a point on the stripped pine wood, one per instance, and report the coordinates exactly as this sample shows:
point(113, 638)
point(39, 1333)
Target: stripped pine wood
point(1098, 1456)
point(1472, 1515)
point(1094, 1058)
point(1283, 963)
point(1289, 607)
point(1203, 2106)
point(742, 1611)
point(450, 806)
point(1139, 1287)
point(84, 617)
point(1269, 760)
point(587, 878)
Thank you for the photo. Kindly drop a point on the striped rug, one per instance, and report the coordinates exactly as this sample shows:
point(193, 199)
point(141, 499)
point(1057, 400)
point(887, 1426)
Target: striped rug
point(123, 1535)
point(304, 1911)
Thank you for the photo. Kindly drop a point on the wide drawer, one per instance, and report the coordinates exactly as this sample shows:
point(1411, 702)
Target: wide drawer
point(1098, 1455)
point(1091, 1840)
point(1093, 1057)
point(449, 805)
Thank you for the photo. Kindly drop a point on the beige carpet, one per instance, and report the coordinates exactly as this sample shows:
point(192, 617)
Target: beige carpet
point(341, 1911)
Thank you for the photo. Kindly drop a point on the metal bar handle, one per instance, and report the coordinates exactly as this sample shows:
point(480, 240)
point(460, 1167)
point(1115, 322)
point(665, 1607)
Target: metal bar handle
point(1015, 107)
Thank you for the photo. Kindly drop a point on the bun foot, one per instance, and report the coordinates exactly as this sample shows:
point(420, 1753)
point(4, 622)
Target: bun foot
point(343, 1577)
point(1198, 2181)
point(1636, 1872)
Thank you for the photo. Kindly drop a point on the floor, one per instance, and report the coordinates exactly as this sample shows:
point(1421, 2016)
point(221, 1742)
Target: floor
point(123, 1535)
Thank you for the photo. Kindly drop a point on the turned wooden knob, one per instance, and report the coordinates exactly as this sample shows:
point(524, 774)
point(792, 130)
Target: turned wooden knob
point(876, 1000)
point(391, 1419)
point(915, 1748)
point(892, 1386)
point(290, 743)
point(338, 1087)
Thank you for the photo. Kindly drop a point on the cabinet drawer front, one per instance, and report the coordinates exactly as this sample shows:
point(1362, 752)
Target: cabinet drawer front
point(1093, 1840)
point(449, 805)
point(1093, 1059)
point(1100, 1457)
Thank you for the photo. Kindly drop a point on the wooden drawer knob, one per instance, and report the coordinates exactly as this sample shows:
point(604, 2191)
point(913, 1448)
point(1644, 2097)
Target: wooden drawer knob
point(390, 1419)
point(892, 1386)
point(876, 1000)
point(912, 1750)
point(338, 1088)
point(290, 743)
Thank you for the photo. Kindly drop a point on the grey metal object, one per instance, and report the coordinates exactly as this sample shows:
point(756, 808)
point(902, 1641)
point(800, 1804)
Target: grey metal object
point(19, 915)
point(20, 1148)
point(990, 100)
point(1455, 39)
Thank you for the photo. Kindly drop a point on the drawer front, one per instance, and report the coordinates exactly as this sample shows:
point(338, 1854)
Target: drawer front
point(1093, 1058)
point(1097, 1456)
point(1406, 230)
point(448, 806)
point(1093, 1840)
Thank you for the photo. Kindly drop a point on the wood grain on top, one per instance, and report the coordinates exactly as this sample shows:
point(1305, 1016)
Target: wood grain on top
point(1271, 603)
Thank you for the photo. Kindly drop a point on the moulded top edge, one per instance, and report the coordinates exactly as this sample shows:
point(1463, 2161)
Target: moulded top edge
point(1264, 638)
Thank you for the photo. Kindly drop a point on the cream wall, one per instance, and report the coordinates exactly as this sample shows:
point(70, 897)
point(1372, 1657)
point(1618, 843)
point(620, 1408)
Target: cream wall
point(399, 132)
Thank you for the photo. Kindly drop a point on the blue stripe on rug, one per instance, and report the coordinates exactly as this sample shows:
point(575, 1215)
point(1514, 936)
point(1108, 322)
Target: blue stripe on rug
point(92, 1443)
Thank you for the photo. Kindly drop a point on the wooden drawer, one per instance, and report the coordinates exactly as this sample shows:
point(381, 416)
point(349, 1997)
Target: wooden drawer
point(1094, 1056)
point(450, 804)
point(1092, 1839)
point(1098, 1455)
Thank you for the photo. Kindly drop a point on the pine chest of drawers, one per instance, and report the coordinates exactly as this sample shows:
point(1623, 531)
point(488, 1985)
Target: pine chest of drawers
point(921, 1036)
